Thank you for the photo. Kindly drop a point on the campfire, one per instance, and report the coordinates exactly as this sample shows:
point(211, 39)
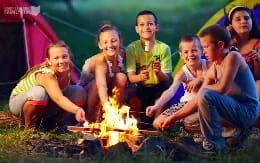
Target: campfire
point(117, 124)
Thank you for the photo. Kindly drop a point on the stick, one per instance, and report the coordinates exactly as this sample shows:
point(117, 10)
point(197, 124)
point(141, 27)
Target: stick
point(136, 112)
point(93, 129)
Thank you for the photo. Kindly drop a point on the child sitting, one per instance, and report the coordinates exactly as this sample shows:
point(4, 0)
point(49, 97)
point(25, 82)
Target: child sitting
point(191, 76)
point(148, 62)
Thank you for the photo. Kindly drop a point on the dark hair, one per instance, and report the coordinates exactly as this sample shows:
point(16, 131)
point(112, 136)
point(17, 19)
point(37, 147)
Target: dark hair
point(217, 33)
point(58, 43)
point(106, 26)
point(255, 32)
point(146, 12)
point(189, 38)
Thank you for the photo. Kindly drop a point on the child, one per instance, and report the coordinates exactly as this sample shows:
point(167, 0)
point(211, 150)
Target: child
point(148, 61)
point(245, 35)
point(228, 91)
point(191, 76)
point(104, 71)
point(48, 83)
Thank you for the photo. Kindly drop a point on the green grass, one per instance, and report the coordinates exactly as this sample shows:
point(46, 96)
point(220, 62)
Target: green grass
point(4, 105)
point(176, 18)
point(14, 146)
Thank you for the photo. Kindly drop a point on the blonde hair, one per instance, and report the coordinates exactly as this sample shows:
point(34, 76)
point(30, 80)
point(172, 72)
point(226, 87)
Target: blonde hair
point(190, 38)
point(58, 43)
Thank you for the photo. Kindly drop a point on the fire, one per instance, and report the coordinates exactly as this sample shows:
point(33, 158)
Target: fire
point(116, 117)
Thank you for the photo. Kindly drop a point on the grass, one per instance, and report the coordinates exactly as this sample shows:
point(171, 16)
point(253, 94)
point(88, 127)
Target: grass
point(176, 18)
point(4, 105)
point(14, 146)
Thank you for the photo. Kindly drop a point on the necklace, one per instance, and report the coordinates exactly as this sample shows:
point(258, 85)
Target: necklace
point(119, 64)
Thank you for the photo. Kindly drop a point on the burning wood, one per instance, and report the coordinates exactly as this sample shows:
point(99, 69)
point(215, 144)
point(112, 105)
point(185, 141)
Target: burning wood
point(117, 124)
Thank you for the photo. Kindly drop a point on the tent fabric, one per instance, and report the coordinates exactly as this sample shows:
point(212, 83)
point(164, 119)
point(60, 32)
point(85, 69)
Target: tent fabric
point(37, 33)
point(219, 16)
point(13, 32)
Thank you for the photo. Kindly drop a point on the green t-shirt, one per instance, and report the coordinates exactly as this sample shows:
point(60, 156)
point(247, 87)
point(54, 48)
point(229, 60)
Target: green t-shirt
point(137, 58)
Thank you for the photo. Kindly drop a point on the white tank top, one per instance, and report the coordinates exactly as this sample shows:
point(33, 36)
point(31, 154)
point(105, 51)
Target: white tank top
point(189, 95)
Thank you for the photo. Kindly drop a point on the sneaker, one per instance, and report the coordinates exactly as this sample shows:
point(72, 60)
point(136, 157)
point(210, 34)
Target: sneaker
point(198, 138)
point(238, 139)
point(212, 149)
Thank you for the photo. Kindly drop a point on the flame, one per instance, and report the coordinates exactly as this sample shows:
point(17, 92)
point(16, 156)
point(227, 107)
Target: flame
point(116, 117)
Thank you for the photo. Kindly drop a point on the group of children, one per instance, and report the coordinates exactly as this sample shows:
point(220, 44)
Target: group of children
point(223, 85)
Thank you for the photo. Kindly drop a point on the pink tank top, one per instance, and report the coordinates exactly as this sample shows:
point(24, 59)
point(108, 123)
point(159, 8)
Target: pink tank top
point(248, 60)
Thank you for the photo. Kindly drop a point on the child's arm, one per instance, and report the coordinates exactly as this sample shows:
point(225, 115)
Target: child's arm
point(160, 75)
point(232, 63)
point(136, 78)
point(186, 110)
point(163, 66)
point(101, 82)
point(167, 94)
point(194, 85)
point(255, 55)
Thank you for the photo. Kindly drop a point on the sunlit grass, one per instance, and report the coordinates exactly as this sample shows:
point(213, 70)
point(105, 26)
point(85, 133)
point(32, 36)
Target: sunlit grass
point(4, 105)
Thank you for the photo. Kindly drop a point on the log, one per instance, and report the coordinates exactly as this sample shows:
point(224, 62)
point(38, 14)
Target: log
point(7, 119)
point(95, 129)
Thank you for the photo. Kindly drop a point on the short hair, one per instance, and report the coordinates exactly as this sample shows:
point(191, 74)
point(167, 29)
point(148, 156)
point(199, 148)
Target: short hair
point(217, 33)
point(189, 38)
point(146, 12)
point(255, 32)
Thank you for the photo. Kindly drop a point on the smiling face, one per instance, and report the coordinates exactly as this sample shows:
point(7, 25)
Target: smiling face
point(146, 27)
point(109, 42)
point(190, 52)
point(59, 59)
point(241, 22)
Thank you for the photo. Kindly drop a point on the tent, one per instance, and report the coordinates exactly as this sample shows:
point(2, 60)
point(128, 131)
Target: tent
point(219, 17)
point(24, 36)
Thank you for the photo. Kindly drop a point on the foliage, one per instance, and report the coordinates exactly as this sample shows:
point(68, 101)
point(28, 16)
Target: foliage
point(176, 18)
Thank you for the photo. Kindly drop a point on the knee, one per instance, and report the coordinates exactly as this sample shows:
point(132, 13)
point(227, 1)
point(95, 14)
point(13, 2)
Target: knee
point(121, 80)
point(156, 122)
point(39, 94)
point(76, 93)
point(204, 95)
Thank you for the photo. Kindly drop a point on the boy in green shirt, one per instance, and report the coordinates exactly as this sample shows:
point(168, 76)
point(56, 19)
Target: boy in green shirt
point(148, 62)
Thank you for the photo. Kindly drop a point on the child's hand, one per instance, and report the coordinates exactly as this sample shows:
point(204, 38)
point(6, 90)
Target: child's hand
point(144, 75)
point(156, 66)
point(80, 115)
point(106, 106)
point(166, 123)
point(150, 111)
point(194, 85)
point(254, 55)
point(229, 28)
